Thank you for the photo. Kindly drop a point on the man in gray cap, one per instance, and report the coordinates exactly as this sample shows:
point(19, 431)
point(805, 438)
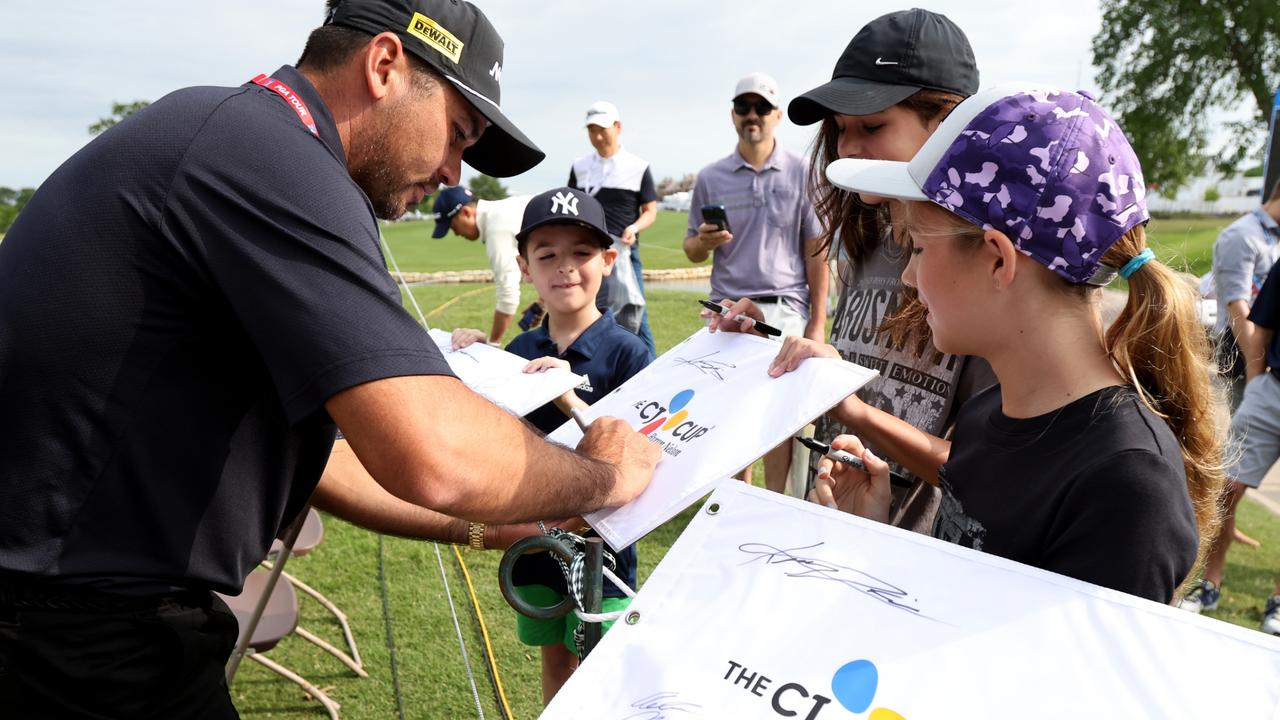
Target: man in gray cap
point(224, 304)
point(770, 251)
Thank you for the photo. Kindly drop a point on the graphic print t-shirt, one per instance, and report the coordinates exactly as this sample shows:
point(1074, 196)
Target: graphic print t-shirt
point(924, 390)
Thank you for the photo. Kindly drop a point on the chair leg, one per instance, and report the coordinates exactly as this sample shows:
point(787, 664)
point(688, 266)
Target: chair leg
point(353, 660)
point(314, 692)
point(323, 645)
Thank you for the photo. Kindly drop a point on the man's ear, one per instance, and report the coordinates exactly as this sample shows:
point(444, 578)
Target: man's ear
point(610, 256)
point(524, 268)
point(386, 66)
point(1003, 257)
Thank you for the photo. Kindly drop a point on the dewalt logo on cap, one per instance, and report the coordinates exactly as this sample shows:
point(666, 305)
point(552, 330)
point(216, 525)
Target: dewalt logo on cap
point(426, 29)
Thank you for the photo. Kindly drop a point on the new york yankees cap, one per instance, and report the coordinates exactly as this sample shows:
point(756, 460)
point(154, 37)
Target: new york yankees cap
point(459, 42)
point(564, 206)
point(888, 61)
point(1048, 168)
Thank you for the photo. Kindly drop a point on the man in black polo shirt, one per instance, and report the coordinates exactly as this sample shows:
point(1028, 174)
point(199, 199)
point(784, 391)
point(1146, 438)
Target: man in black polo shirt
point(190, 303)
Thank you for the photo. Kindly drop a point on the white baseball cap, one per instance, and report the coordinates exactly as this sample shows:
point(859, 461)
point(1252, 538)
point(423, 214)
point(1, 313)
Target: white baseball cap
point(760, 84)
point(602, 113)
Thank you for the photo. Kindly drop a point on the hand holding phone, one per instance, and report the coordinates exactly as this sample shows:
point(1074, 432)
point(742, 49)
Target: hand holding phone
point(715, 215)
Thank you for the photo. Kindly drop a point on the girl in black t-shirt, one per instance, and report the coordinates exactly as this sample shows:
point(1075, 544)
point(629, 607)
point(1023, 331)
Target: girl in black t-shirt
point(1099, 453)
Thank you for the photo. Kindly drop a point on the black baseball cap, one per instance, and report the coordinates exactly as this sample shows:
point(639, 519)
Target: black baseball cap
point(890, 59)
point(564, 206)
point(460, 43)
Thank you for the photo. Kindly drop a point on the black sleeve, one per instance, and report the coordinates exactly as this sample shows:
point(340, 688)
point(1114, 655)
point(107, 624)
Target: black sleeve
point(573, 179)
point(276, 225)
point(1265, 312)
point(648, 193)
point(1126, 523)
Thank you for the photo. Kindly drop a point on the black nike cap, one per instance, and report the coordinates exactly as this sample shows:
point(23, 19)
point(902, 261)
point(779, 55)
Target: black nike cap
point(890, 59)
point(460, 43)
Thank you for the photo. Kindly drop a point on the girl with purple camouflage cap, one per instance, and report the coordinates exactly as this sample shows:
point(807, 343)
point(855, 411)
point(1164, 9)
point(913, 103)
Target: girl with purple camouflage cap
point(1098, 455)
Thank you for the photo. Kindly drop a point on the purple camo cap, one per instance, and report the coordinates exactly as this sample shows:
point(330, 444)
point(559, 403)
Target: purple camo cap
point(1047, 167)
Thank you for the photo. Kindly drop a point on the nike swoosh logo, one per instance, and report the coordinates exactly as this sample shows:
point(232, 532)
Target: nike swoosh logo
point(882, 62)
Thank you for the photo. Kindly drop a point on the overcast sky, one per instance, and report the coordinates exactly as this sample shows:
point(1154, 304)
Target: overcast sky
point(669, 65)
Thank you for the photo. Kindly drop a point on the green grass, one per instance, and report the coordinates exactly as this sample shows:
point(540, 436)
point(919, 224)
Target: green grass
point(1185, 243)
point(410, 241)
point(1251, 573)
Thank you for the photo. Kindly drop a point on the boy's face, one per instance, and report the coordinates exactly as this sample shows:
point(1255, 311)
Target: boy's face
point(565, 263)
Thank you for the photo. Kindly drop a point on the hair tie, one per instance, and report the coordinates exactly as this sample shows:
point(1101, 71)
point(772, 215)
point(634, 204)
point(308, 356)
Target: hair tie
point(1136, 262)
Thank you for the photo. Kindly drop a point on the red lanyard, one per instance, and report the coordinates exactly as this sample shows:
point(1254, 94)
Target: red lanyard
point(291, 98)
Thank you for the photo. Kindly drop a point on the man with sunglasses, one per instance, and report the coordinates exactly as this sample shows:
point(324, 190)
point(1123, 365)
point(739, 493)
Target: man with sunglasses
point(770, 252)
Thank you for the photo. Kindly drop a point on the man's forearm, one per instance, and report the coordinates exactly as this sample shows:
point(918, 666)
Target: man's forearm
point(433, 442)
point(914, 449)
point(348, 491)
point(501, 321)
point(648, 214)
point(815, 266)
point(694, 250)
point(1248, 339)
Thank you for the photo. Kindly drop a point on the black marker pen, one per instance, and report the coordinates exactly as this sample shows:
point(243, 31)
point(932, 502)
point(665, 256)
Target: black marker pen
point(841, 456)
point(724, 312)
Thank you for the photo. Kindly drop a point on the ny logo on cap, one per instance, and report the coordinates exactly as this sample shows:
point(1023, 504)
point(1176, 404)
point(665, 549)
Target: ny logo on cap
point(496, 71)
point(565, 203)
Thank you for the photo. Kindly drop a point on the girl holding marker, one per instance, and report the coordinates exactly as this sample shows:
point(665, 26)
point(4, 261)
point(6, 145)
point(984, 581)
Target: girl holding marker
point(1098, 455)
point(895, 82)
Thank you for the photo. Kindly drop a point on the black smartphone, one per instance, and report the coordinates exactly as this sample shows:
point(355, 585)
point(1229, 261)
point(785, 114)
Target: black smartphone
point(715, 215)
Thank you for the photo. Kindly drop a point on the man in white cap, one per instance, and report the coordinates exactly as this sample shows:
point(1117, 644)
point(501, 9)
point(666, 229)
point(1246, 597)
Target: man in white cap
point(623, 184)
point(771, 251)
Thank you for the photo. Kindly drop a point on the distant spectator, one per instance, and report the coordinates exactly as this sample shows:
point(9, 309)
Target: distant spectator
point(771, 252)
point(623, 184)
point(1244, 271)
point(495, 223)
point(1242, 256)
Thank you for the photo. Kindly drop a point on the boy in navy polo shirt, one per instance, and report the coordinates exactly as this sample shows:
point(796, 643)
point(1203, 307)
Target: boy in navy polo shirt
point(565, 251)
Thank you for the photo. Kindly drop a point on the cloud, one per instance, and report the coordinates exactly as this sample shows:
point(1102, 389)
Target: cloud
point(669, 66)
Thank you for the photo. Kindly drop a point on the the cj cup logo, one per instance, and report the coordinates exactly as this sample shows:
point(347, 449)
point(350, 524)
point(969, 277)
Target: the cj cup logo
point(853, 685)
point(671, 419)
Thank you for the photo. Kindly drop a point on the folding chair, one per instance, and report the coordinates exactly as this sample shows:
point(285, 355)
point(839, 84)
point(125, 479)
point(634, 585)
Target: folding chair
point(277, 617)
point(311, 534)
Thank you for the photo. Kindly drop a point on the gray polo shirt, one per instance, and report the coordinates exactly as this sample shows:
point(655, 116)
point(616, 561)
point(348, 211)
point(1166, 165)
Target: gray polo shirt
point(770, 216)
point(1242, 256)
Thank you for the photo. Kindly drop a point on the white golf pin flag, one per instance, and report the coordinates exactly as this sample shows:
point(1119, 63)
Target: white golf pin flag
point(711, 405)
point(770, 607)
point(499, 375)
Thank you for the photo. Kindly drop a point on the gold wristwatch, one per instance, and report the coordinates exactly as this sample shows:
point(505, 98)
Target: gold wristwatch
point(475, 535)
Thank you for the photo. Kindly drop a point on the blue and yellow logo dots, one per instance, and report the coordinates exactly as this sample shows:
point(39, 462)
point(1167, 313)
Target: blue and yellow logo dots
point(854, 686)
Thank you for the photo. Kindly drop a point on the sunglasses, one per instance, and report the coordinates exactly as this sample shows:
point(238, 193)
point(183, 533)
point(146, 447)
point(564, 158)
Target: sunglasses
point(744, 107)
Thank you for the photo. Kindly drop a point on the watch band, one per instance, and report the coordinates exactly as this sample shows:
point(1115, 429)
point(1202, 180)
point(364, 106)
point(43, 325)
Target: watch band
point(475, 535)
